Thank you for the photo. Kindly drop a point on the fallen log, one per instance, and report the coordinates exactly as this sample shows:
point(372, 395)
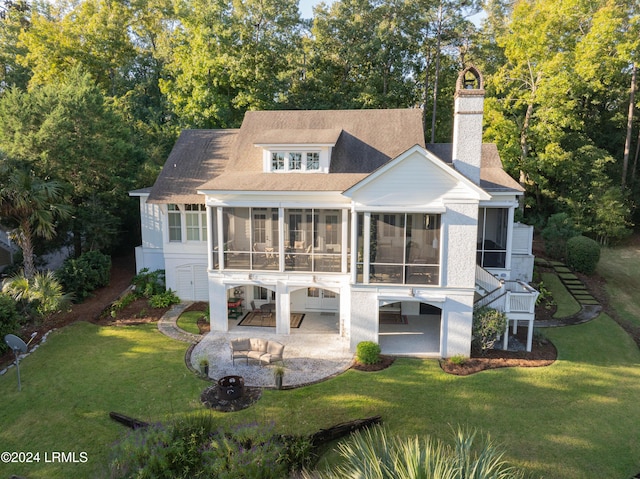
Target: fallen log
point(324, 436)
point(131, 422)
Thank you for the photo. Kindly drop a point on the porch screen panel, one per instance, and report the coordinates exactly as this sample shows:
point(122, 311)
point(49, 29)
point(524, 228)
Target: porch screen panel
point(404, 248)
point(327, 251)
point(422, 249)
point(265, 249)
point(237, 238)
point(386, 254)
point(492, 237)
point(298, 237)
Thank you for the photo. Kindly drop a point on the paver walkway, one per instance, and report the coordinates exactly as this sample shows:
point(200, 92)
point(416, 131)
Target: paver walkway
point(590, 308)
point(168, 325)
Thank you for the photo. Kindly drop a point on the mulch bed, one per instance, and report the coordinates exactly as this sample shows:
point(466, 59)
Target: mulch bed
point(543, 353)
point(384, 363)
point(210, 398)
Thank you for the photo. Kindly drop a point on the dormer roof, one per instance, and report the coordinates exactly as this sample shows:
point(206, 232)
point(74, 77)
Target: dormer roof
point(298, 136)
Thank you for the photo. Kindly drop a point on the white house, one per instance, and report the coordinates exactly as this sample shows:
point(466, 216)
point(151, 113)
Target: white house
point(346, 213)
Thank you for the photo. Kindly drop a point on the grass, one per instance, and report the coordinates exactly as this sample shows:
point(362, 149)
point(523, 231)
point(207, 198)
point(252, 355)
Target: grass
point(188, 321)
point(621, 268)
point(566, 303)
point(574, 419)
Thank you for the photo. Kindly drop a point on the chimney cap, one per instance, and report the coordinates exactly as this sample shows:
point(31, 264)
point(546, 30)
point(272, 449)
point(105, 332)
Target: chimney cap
point(470, 79)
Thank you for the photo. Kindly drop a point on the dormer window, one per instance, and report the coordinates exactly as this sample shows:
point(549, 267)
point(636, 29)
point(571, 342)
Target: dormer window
point(297, 150)
point(295, 161)
point(313, 161)
point(277, 160)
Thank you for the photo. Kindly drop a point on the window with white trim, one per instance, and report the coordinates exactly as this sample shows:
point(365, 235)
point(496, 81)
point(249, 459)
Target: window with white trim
point(313, 161)
point(196, 222)
point(175, 223)
point(291, 160)
point(277, 161)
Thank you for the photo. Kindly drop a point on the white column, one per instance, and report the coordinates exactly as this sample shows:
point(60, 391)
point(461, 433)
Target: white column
point(281, 257)
point(220, 226)
point(366, 250)
point(344, 245)
point(507, 263)
point(283, 309)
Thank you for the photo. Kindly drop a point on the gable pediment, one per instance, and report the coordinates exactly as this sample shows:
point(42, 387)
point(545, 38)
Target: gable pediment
point(415, 178)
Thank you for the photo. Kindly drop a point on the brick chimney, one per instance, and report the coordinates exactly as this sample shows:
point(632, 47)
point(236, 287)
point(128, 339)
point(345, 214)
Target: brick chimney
point(467, 123)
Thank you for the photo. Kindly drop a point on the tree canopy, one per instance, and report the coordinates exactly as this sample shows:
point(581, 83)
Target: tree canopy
point(94, 92)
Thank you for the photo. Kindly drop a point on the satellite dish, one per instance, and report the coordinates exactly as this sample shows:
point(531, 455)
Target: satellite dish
point(18, 346)
point(15, 343)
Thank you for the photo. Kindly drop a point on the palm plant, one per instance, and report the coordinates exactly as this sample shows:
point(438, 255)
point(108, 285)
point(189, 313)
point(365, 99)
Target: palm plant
point(32, 206)
point(41, 295)
point(373, 454)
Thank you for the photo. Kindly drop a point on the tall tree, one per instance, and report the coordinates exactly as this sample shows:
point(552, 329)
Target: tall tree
point(231, 57)
point(68, 132)
point(30, 205)
point(14, 17)
point(560, 89)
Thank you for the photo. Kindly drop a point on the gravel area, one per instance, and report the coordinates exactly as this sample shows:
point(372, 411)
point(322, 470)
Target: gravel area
point(308, 358)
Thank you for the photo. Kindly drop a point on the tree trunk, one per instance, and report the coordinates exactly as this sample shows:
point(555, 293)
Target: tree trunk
point(25, 241)
point(426, 89)
point(635, 160)
point(627, 143)
point(436, 77)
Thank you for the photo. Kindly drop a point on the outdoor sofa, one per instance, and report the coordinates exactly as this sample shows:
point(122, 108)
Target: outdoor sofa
point(262, 350)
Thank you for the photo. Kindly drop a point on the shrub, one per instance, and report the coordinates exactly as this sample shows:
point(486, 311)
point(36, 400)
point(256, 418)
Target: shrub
point(193, 447)
point(458, 359)
point(368, 352)
point(9, 319)
point(122, 303)
point(164, 299)
point(488, 323)
point(83, 275)
point(375, 454)
point(583, 254)
point(148, 283)
point(560, 228)
point(39, 296)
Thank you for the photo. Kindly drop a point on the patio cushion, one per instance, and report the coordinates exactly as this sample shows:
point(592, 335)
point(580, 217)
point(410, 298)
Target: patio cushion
point(241, 344)
point(258, 345)
point(275, 350)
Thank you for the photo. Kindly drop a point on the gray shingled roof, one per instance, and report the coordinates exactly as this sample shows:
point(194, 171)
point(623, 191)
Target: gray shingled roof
point(228, 160)
point(196, 156)
point(368, 139)
point(493, 178)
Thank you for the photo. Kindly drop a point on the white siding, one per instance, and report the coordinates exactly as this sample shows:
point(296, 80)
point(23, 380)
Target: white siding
point(415, 181)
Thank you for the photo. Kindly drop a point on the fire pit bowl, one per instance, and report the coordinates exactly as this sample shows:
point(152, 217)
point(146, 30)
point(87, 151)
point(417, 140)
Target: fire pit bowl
point(230, 387)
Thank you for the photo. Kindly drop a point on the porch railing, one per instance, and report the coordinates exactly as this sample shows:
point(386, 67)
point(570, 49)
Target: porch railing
point(507, 296)
point(520, 298)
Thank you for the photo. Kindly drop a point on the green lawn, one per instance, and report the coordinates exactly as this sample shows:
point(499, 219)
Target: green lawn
point(574, 419)
point(621, 267)
point(566, 303)
point(188, 321)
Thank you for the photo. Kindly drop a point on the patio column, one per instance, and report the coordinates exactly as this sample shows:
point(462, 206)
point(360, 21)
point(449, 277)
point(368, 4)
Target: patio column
point(283, 309)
